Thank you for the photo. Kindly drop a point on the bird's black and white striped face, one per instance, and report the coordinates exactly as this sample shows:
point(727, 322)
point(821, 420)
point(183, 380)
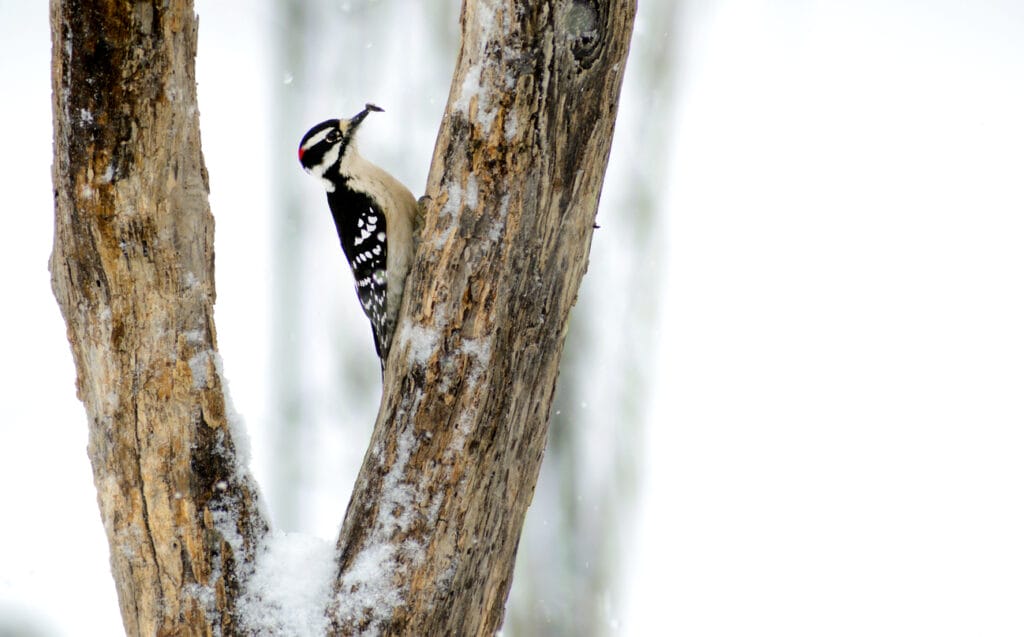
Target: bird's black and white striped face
point(323, 147)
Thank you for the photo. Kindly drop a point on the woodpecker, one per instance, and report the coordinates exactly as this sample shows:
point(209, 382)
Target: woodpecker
point(374, 215)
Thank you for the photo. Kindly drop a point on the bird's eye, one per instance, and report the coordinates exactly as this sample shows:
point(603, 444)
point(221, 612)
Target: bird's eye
point(334, 135)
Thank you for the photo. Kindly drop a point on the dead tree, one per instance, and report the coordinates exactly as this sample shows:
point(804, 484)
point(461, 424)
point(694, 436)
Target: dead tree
point(430, 535)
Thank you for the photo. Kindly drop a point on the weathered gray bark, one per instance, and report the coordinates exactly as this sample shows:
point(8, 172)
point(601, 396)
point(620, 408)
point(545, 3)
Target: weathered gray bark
point(132, 270)
point(430, 536)
point(429, 540)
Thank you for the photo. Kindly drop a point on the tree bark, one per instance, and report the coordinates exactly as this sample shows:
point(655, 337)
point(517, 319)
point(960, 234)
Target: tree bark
point(132, 270)
point(430, 535)
point(574, 543)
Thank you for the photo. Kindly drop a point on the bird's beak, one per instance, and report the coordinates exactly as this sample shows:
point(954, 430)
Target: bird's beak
point(355, 121)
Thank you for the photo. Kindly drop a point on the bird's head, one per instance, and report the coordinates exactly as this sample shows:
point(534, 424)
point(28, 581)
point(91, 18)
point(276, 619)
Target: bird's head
point(325, 145)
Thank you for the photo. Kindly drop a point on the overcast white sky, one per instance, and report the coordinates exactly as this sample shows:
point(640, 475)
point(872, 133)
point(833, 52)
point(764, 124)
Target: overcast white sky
point(838, 426)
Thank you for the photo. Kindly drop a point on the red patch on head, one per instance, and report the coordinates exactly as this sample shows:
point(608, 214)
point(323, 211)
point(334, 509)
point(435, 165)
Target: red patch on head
point(302, 151)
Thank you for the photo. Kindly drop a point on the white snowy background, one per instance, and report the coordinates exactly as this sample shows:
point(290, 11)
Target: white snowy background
point(835, 436)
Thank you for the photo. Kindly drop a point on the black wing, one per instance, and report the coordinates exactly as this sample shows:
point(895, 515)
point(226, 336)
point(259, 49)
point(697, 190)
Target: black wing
point(362, 230)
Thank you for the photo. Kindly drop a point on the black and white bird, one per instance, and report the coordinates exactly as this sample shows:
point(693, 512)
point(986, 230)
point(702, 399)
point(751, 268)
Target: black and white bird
point(374, 215)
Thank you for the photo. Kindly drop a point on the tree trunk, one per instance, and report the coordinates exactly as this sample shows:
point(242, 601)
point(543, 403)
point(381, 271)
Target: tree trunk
point(575, 540)
point(429, 539)
point(430, 535)
point(132, 270)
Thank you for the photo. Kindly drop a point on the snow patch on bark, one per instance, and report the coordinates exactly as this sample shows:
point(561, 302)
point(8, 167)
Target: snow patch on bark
point(372, 587)
point(478, 358)
point(198, 364)
point(369, 588)
point(290, 587)
point(419, 343)
point(448, 213)
point(472, 192)
point(489, 17)
point(478, 352)
point(236, 424)
point(453, 203)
